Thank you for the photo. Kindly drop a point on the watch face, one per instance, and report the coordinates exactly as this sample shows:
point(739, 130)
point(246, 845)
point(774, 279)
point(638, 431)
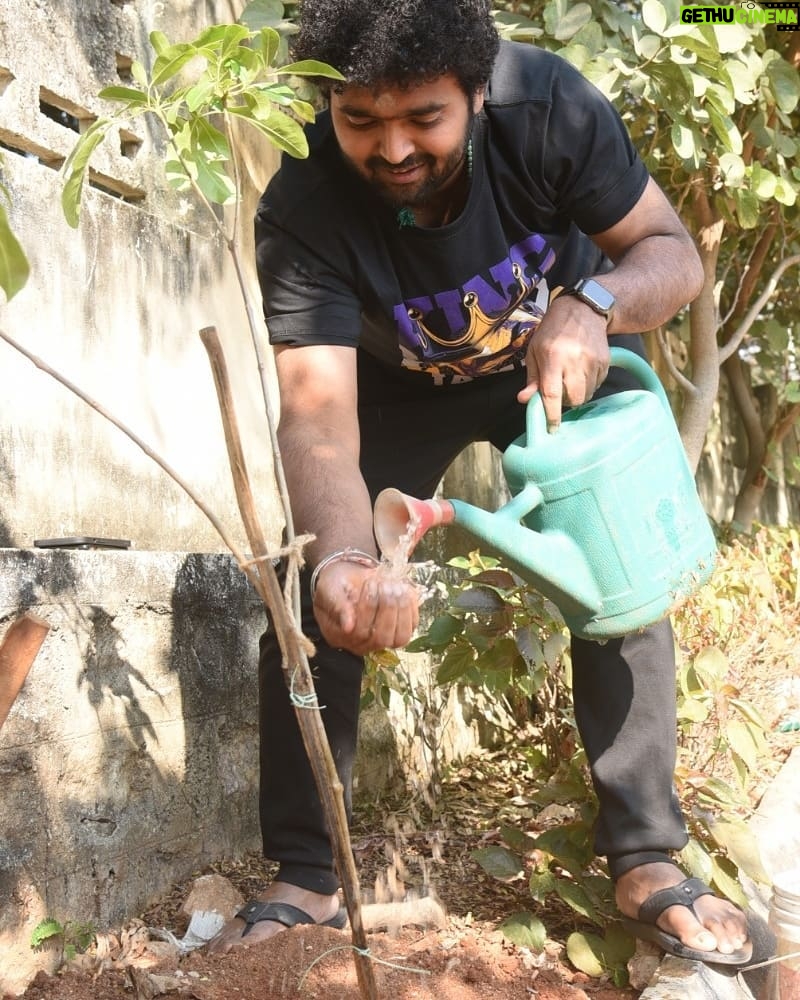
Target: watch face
point(599, 296)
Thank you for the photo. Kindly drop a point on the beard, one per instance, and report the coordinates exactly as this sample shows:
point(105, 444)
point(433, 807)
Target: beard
point(428, 189)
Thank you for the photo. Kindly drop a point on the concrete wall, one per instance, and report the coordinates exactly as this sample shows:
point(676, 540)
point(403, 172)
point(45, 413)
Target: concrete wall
point(116, 306)
point(130, 757)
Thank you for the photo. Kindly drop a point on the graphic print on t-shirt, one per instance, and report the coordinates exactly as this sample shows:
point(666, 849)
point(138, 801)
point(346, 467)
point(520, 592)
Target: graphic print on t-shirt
point(483, 326)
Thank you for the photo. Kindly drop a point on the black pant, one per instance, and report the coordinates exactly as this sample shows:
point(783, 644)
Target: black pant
point(623, 690)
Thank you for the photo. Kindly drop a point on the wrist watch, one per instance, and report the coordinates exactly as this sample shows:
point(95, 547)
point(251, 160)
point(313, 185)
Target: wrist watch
point(595, 296)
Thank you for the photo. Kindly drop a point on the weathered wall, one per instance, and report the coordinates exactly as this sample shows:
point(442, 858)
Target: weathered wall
point(130, 757)
point(116, 305)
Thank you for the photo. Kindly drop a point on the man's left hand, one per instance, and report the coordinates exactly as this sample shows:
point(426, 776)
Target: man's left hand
point(568, 357)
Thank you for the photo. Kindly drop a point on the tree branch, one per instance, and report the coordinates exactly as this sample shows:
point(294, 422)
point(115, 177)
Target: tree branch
point(752, 313)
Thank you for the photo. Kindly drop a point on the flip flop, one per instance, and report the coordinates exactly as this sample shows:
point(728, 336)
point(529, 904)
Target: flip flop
point(683, 894)
point(284, 913)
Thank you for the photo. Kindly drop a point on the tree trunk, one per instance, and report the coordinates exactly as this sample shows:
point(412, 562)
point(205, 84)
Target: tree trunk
point(699, 396)
point(751, 493)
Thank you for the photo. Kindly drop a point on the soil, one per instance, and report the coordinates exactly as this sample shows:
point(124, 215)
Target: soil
point(401, 850)
point(461, 963)
point(399, 854)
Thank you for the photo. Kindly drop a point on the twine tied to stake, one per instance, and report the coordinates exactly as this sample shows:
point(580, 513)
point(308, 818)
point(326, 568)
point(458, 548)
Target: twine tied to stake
point(293, 553)
point(365, 953)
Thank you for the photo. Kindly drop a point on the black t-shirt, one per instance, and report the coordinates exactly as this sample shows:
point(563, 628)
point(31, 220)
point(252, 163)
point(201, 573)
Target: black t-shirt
point(552, 161)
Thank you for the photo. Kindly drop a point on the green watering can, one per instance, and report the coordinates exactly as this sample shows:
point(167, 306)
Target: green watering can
point(604, 520)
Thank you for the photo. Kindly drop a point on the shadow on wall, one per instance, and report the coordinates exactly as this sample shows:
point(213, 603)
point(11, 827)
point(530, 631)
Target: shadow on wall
point(217, 621)
point(130, 759)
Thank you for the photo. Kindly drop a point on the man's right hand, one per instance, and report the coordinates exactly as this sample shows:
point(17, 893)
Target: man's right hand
point(363, 609)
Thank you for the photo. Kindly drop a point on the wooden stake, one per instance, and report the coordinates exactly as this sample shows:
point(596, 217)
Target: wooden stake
point(18, 650)
point(296, 669)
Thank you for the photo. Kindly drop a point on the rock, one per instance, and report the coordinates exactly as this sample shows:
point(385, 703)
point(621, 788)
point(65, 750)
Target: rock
point(643, 964)
point(213, 894)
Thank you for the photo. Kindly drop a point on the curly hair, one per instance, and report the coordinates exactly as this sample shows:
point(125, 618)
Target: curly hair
point(400, 42)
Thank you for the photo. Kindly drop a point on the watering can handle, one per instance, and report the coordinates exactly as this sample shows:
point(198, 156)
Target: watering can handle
point(536, 424)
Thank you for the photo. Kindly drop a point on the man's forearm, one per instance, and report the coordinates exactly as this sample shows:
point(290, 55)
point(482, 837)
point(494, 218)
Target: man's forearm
point(647, 292)
point(328, 495)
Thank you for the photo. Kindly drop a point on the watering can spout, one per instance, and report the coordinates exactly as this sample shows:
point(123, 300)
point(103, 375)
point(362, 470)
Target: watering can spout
point(400, 521)
point(553, 564)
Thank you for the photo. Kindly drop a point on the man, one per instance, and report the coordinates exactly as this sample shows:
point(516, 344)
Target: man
point(410, 270)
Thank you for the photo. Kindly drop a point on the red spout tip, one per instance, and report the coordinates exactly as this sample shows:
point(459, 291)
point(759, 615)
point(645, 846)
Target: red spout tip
point(399, 518)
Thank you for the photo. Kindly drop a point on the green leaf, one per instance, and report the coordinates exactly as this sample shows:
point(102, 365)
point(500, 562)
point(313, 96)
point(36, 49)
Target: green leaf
point(310, 67)
point(44, 931)
point(729, 886)
point(215, 183)
point(207, 140)
point(733, 169)
point(711, 664)
point(572, 21)
point(741, 845)
point(654, 16)
point(176, 175)
point(516, 26)
point(262, 14)
point(278, 93)
point(224, 37)
point(785, 191)
point(696, 859)
point(569, 844)
point(525, 930)
point(200, 94)
point(744, 81)
point(554, 647)
point(75, 167)
point(455, 664)
point(762, 182)
point(500, 579)
point(281, 130)
point(541, 884)
point(575, 896)
point(139, 73)
point(748, 208)
point(692, 710)
point(498, 862)
point(516, 839)
point(127, 94)
point(14, 267)
point(270, 43)
point(441, 633)
point(159, 41)
point(785, 84)
point(479, 600)
point(740, 738)
point(719, 792)
point(732, 37)
point(304, 110)
point(502, 655)
point(171, 62)
point(683, 142)
point(726, 130)
point(585, 951)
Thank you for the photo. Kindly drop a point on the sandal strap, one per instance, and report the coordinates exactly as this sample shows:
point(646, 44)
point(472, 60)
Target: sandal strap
point(282, 913)
point(683, 894)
